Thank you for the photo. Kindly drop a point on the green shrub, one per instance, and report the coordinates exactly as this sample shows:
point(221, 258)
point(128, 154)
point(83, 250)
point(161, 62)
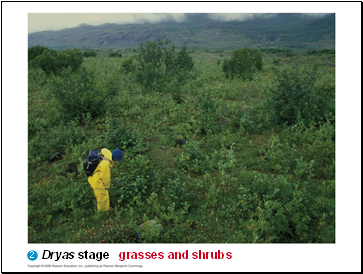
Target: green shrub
point(64, 136)
point(71, 58)
point(277, 209)
point(276, 50)
point(289, 53)
point(47, 61)
point(90, 53)
point(159, 64)
point(252, 119)
point(78, 94)
point(317, 143)
point(33, 52)
point(276, 61)
point(135, 179)
point(243, 64)
point(278, 157)
point(208, 108)
point(305, 152)
point(150, 231)
point(312, 52)
point(115, 54)
point(193, 159)
point(120, 135)
point(52, 61)
point(37, 79)
point(322, 150)
point(297, 95)
point(183, 60)
point(47, 141)
point(320, 52)
point(128, 65)
point(111, 82)
point(35, 125)
point(224, 159)
point(175, 189)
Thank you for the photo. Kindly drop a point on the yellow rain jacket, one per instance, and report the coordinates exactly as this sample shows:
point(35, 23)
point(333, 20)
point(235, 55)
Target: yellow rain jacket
point(100, 181)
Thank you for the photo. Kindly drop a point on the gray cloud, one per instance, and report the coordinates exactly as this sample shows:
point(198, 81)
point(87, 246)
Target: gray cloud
point(313, 15)
point(251, 16)
point(57, 21)
point(239, 16)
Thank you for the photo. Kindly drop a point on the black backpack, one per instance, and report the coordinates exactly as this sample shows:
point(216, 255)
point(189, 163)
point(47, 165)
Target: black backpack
point(91, 162)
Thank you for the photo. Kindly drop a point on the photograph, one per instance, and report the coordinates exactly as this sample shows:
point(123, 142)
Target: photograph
point(181, 128)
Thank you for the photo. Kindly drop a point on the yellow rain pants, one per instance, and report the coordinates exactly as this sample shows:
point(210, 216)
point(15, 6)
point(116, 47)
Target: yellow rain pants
point(100, 181)
point(103, 200)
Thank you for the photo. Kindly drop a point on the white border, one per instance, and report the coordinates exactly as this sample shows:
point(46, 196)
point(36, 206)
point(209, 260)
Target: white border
point(342, 256)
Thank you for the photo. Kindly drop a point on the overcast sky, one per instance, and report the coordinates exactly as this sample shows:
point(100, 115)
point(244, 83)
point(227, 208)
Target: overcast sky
point(57, 21)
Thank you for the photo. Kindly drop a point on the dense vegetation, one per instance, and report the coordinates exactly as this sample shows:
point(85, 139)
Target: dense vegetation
point(243, 64)
point(208, 158)
point(52, 61)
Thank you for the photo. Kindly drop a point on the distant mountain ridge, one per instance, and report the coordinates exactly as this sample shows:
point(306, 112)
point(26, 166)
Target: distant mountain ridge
point(199, 31)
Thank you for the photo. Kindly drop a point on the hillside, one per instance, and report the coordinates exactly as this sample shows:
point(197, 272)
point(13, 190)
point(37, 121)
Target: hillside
point(199, 31)
point(206, 158)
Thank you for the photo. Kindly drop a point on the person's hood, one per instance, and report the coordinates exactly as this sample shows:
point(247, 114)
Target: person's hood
point(107, 153)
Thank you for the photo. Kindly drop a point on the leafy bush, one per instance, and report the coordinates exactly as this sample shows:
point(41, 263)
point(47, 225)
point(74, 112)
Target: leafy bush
point(278, 209)
point(115, 54)
point(120, 135)
point(297, 95)
point(33, 52)
point(128, 65)
point(252, 119)
point(305, 152)
point(150, 231)
point(318, 144)
point(183, 60)
point(78, 94)
point(208, 107)
point(37, 79)
point(174, 190)
point(193, 159)
point(224, 159)
point(159, 64)
point(90, 53)
point(276, 61)
point(322, 149)
point(135, 179)
point(71, 58)
point(35, 125)
point(47, 61)
point(320, 52)
point(243, 64)
point(52, 61)
point(275, 50)
point(111, 82)
point(278, 157)
point(61, 138)
point(288, 53)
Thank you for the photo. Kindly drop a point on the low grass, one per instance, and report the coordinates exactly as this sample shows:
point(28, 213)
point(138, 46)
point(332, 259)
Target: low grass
point(202, 206)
